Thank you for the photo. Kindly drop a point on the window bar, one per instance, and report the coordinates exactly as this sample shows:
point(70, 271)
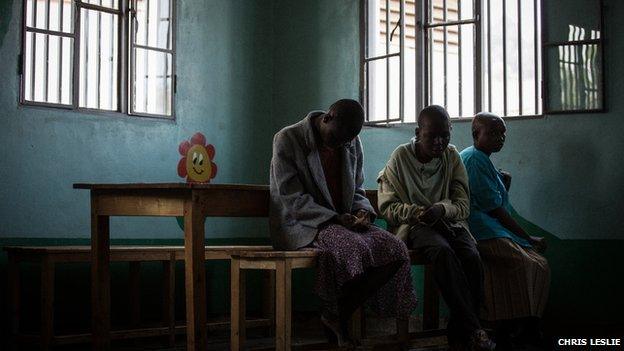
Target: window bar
point(123, 38)
point(111, 60)
point(387, 60)
point(164, 81)
point(46, 73)
point(60, 54)
point(401, 59)
point(429, 64)
point(505, 57)
point(33, 52)
point(478, 52)
point(145, 55)
point(364, 44)
point(459, 57)
point(535, 64)
point(75, 75)
point(98, 71)
point(577, 69)
point(519, 59)
point(489, 52)
point(445, 59)
point(86, 65)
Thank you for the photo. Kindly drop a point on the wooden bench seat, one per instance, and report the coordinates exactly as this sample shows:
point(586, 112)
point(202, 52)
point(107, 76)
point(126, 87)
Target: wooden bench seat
point(49, 256)
point(281, 263)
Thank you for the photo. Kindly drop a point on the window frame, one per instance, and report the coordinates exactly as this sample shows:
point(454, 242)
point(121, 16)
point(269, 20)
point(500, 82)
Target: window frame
point(125, 65)
point(422, 57)
point(546, 44)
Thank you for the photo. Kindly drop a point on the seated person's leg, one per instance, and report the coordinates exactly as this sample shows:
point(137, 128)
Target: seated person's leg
point(466, 250)
point(450, 278)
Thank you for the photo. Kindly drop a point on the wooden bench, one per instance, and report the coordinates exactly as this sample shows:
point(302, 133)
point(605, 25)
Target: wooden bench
point(49, 256)
point(282, 263)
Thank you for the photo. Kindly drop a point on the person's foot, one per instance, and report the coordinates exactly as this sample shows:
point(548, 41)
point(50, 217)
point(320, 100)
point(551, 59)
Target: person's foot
point(480, 341)
point(334, 326)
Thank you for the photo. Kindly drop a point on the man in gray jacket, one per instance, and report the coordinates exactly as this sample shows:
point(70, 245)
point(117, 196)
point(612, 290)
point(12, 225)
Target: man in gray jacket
point(317, 202)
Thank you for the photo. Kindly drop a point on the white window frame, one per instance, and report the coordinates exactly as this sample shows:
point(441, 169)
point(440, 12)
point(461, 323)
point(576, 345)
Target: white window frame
point(125, 70)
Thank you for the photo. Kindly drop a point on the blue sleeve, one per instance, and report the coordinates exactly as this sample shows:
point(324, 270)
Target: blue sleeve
point(484, 190)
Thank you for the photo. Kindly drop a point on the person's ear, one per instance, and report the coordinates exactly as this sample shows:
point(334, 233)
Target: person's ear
point(416, 130)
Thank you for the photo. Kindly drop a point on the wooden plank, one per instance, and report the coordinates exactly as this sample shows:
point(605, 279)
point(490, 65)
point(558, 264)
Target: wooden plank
point(279, 254)
point(134, 288)
point(47, 303)
point(431, 312)
point(283, 306)
point(210, 186)
point(13, 299)
point(195, 275)
point(304, 262)
point(264, 263)
point(169, 298)
point(238, 328)
point(234, 202)
point(100, 278)
point(155, 203)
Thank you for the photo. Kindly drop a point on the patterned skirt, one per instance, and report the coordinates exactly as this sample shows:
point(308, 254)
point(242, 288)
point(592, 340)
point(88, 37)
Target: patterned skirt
point(347, 254)
point(517, 280)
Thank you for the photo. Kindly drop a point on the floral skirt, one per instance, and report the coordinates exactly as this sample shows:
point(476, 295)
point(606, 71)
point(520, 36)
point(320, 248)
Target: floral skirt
point(347, 254)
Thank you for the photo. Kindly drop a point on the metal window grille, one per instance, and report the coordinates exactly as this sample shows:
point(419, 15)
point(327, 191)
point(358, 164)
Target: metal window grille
point(466, 55)
point(575, 66)
point(76, 55)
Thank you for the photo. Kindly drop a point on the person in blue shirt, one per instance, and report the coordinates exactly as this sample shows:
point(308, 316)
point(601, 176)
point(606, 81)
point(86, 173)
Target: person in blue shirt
point(517, 276)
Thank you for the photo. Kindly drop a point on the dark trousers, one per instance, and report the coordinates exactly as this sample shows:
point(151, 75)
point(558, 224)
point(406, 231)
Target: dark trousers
point(458, 272)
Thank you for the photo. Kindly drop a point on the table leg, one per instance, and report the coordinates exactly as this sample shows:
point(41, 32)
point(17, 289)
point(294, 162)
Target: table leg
point(195, 276)
point(47, 302)
point(100, 279)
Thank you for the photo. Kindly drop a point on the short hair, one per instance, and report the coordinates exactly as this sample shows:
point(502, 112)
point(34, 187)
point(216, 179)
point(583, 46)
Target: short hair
point(349, 109)
point(483, 118)
point(433, 111)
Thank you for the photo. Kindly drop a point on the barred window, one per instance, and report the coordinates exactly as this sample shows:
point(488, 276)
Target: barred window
point(100, 55)
point(466, 55)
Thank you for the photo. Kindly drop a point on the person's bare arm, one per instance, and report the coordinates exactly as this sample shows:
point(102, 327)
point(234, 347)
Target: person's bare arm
point(508, 222)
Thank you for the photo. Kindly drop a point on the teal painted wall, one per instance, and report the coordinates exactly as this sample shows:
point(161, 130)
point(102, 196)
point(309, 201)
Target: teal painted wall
point(224, 68)
point(248, 68)
point(567, 169)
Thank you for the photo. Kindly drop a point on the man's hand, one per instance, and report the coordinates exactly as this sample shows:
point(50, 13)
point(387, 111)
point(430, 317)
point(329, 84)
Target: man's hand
point(346, 220)
point(506, 179)
point(538, 243)
point(363, 221)
point(431, 214)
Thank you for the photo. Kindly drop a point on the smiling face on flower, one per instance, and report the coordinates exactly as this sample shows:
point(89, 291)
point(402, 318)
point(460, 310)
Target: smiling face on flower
point(196, 164)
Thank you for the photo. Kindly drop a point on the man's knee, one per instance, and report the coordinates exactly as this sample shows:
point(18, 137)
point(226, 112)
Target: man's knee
point(440, 254)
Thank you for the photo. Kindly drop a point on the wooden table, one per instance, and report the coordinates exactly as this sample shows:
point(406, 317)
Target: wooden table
point(194, 202)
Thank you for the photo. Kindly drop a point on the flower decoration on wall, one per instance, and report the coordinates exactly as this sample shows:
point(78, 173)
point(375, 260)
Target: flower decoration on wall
point(196, 164)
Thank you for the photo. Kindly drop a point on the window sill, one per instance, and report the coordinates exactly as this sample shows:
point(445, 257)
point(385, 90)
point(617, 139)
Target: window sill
point(94, 112)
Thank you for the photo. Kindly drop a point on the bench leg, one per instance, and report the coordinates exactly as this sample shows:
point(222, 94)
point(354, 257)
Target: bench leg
point(283, 305)
point(134, 280)
point(268, 299)
point(100, 278)
point(47, 302)
point(431, 308)
point(238, 308)
point(14, 299)
point(169, 298)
